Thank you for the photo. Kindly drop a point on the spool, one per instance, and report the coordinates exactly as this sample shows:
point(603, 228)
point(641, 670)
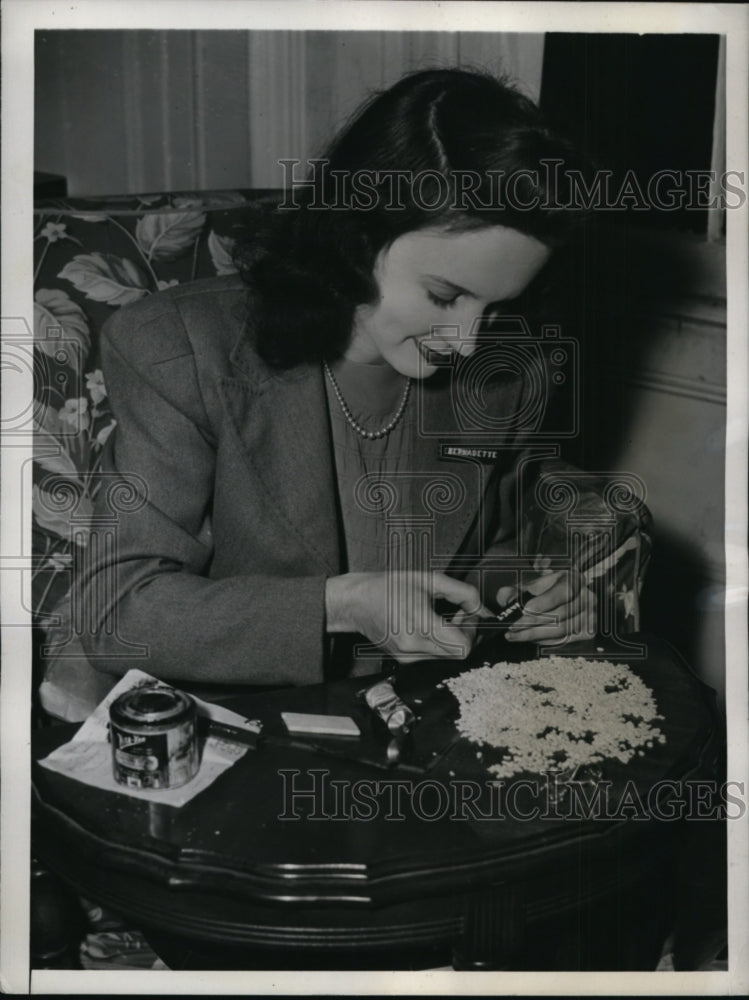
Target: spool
point(154, 738)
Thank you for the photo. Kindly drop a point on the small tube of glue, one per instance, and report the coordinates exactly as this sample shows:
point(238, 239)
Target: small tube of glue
point(514, 610)
point(507, 616)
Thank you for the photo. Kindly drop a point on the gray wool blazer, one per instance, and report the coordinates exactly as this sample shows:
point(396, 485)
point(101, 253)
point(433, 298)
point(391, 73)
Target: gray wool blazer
point(218, 523)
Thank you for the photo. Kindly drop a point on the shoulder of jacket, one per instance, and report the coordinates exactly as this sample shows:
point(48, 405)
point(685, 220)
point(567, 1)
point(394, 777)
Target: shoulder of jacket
point(204, 317)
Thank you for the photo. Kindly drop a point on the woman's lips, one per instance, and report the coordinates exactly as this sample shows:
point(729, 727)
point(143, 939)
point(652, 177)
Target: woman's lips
point(433, 357)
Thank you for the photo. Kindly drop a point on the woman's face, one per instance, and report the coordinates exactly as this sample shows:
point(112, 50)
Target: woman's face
point(434, 284)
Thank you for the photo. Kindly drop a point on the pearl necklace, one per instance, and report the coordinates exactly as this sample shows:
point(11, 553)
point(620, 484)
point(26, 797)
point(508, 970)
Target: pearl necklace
point(362, 431)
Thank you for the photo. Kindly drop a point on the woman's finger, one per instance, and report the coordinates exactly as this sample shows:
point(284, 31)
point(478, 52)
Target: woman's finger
point(465, 595)
point(530, 628)
point(563, 590)
point(505, 595)
point(456, 643)
point(445, 641)
point(547, 583)
point(583, 626)
point(547, 579)
point(441, 644)
point(577, 620)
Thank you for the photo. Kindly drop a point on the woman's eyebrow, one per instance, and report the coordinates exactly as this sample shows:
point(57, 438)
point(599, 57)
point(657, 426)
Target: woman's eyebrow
point(451, 285)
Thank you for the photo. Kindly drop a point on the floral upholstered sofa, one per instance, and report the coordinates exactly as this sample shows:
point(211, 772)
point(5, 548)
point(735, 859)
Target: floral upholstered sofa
point(94, 256)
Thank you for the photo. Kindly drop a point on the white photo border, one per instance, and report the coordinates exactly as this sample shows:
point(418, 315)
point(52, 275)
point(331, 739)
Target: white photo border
point(20, 19)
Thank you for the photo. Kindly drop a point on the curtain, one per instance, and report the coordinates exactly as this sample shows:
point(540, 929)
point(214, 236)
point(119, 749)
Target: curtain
point(304, 85)
point(123, 112)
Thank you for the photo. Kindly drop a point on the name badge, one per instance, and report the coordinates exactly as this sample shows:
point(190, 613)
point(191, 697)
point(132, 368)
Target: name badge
point(458, 451)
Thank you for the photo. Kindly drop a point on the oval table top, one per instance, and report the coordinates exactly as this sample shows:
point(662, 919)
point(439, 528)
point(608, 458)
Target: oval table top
point(297, 847)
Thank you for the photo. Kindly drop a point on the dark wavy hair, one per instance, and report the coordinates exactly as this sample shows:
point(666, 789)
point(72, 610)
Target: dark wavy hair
point(310, 259)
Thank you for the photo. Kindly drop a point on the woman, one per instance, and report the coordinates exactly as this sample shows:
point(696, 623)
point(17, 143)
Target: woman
point(293, 436)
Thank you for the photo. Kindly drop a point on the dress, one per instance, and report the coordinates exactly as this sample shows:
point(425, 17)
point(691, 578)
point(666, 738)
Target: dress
point(373, 393)
point(375, 494)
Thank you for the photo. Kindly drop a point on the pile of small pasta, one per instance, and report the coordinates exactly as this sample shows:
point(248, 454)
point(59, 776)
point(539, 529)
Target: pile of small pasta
point(556, 712)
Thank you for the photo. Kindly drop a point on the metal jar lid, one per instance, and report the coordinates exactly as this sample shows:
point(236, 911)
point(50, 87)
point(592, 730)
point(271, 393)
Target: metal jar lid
point(151, 705)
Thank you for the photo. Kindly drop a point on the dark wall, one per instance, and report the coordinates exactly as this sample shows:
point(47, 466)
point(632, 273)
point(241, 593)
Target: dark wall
point(645, 294)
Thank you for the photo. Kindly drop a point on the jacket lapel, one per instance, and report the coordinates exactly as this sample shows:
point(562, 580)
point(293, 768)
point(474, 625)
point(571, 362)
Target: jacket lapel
point(281, 419)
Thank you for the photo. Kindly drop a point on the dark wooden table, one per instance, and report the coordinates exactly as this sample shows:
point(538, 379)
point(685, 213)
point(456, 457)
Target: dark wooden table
point(382, 874)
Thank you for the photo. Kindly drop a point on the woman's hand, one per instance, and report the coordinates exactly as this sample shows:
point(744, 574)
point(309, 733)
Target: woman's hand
point(561, 610)
point(396, 612)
